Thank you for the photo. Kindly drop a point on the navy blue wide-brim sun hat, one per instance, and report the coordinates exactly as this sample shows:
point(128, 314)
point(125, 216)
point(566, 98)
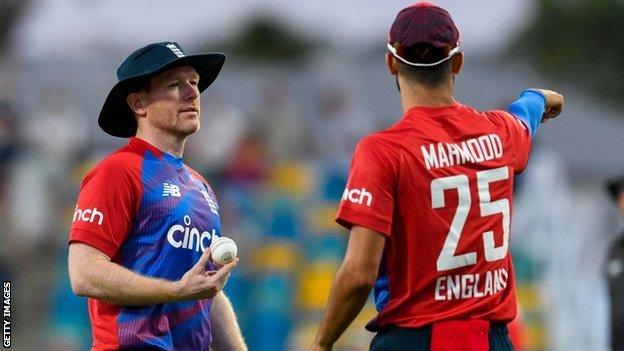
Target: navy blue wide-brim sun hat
point(116, 117)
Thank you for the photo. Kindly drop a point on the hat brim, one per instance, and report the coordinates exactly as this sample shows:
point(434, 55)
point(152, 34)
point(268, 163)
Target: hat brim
point(117, 119)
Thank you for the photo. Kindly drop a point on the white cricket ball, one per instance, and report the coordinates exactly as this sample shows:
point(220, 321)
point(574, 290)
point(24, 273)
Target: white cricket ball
point(223, 250)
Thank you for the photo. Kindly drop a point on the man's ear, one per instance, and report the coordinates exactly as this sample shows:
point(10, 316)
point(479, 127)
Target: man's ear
point(137, 104)
point(458, 62)
point(391, 64)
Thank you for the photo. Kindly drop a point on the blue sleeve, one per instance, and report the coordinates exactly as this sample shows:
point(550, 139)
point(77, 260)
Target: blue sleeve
point(529, 108)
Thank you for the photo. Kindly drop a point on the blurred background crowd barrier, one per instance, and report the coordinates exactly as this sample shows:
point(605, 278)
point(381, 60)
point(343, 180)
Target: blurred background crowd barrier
point(303, 82)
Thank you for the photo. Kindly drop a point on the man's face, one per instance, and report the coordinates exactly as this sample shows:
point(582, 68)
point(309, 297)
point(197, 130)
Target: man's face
point(173, 102)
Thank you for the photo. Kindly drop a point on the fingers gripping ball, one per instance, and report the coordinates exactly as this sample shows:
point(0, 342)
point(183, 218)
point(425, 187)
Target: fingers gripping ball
point(223, 250)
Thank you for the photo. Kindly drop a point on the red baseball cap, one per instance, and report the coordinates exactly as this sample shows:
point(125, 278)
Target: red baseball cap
point(423, 23)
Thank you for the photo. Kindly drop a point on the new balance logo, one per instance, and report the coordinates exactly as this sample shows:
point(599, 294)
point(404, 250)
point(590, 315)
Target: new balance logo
point(358, 196)
point(88, 215)
point(171, 190)
point(176, 50)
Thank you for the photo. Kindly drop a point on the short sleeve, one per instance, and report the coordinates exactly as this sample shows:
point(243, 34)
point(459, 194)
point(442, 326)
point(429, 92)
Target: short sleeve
point(108, 200)
point(522, 141)
point(368, 199)
point(520, 136)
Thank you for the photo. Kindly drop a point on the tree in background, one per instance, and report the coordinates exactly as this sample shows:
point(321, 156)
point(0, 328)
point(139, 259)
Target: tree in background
point(11, 12)
point(268, 40)
point(579, 41)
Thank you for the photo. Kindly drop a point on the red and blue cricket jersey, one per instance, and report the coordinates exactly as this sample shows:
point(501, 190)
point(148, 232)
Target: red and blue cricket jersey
point(154, 215)
point(438, 184)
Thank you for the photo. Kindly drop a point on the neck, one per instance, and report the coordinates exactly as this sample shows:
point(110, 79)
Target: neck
point(417, 95)
point(171, 144)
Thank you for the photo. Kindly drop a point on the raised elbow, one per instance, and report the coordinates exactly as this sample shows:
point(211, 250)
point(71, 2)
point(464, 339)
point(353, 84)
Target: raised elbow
point(79, 285)
point(368, 281)
point(361, 277)
point(81, 264)
point(80, 281)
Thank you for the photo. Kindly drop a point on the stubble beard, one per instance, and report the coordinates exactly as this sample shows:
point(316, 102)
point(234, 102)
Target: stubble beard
point(173, 124)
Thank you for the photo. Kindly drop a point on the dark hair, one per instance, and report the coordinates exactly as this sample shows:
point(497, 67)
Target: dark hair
point(432, 76)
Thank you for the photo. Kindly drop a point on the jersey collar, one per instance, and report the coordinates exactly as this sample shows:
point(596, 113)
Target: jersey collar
point(434, 111)
point(143, 145)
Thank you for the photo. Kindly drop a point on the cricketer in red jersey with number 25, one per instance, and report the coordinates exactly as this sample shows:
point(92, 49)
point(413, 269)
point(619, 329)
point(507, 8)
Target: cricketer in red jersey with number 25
point(428, 203)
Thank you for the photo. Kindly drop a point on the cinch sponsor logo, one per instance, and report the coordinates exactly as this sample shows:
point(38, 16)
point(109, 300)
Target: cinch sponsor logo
point(185, 237)
point(358, 196)
point(88, 215)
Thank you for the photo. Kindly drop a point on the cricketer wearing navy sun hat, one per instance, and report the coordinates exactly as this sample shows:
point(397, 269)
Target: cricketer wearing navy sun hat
point(116, 118)
point(144, 221)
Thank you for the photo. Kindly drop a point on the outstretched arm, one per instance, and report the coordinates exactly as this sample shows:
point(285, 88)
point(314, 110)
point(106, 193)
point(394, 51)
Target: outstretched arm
point(352, 285)
point(536, 106)
point(92, 274)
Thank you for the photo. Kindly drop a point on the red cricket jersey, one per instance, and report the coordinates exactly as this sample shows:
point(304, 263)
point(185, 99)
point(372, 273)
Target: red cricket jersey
point(439, 185)
point(151, 214)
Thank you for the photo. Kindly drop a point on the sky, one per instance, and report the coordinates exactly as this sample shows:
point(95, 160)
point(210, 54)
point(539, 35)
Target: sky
point(74, 27)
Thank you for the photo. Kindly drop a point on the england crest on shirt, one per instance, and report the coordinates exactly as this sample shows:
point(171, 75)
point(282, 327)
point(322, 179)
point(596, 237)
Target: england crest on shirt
point(214, 207)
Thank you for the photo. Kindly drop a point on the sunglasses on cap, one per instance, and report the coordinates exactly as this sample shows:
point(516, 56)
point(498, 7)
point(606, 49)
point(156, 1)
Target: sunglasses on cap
point(394, 53)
